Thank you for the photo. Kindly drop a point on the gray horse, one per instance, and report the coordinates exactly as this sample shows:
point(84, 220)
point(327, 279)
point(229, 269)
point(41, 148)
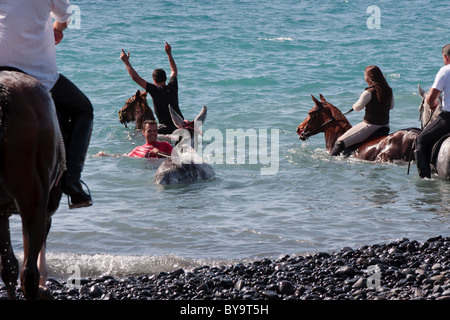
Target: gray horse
point(186, 165)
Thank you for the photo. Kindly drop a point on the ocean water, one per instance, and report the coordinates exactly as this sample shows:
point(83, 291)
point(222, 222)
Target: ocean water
point(254, 64)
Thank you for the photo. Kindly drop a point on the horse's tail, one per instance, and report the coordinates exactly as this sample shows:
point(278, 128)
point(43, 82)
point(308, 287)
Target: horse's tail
point(5, 100)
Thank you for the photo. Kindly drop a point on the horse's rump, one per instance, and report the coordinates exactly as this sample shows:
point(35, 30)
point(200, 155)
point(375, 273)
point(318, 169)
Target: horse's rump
point(4, 105)
point(436, 148)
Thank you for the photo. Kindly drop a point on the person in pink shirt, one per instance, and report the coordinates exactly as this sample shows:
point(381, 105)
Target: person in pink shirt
point(152, 148)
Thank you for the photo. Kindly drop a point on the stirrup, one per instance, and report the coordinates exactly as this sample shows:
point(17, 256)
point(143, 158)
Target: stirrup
point(82, 204)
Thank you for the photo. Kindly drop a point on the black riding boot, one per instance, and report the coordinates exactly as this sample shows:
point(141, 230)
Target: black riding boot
point(338, 148)
point(423, 164)
point(76, 154)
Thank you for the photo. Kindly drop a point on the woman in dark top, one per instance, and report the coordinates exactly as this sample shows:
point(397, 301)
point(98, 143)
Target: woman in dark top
point(378, 101)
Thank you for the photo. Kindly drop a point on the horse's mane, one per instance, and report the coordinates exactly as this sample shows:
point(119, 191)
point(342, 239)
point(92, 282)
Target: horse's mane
point(142, 112)
point(337, 114)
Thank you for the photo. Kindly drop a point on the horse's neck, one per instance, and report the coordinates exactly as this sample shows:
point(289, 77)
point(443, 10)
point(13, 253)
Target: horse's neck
point(335, 128)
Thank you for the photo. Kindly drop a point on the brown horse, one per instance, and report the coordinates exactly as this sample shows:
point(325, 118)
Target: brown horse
point(136, 109)
point(324, 117)
point(29, 168)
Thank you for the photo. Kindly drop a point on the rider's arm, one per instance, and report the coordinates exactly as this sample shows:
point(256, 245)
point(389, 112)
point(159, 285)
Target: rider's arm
point(173, 66)
point(362, 101)
point(133, 74)
point(432, 98)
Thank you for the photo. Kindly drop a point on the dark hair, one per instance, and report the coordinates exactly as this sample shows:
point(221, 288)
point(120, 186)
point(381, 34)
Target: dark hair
point(159, 75)
point(384, 92)
point(149, 122)
point(446, 50)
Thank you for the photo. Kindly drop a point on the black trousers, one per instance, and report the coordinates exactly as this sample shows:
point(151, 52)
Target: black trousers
point(75, 115)
point(433, 132)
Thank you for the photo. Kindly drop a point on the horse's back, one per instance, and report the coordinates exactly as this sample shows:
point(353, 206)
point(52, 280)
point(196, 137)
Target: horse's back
point(173, 172)
point(29, 128)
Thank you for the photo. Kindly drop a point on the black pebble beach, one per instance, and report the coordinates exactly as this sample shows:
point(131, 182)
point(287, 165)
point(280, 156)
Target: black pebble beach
point(400, 270)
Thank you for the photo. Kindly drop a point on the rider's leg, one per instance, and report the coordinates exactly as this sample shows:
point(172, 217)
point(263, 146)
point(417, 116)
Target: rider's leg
point(426, 139)
point(76, 120)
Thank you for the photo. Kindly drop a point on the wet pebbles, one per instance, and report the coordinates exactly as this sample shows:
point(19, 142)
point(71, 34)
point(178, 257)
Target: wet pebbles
point(401, 270)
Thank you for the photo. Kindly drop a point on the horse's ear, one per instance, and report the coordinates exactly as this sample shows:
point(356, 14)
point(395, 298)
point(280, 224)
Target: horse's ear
point(143, 94)
point(322, 98)
point(201, 116)
point(421, 91)
point(176, 118)
point(137, 93)
point(317, 102)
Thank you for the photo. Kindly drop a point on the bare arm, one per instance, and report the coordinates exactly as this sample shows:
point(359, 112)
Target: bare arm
point(133, 74)
point(58, 31)
point(173, 66)
point(432, 98)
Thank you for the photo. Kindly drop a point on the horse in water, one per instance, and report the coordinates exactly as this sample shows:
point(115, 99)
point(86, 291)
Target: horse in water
point(187, 165)
point(440, 153)
point(325, 117)
point(31, 149)
point(136, 109)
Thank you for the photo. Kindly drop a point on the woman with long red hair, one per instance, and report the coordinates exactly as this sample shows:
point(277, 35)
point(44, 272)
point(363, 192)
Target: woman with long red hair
point(378, 100)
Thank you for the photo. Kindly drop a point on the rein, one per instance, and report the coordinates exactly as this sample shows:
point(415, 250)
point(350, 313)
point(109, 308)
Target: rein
point(423, 126)
point(327, 122)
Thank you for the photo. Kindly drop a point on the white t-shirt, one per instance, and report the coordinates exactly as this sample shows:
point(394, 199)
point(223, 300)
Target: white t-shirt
point(27, 41)
point(442, 83)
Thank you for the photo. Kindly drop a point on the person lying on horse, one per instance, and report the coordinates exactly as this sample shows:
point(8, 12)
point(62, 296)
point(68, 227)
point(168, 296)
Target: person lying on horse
point(162, 94)
point(152, 148)
point(378, 101)
point(441, 124)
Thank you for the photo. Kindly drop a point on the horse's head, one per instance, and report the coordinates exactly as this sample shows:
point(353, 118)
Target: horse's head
point(313, 122)
point(187, 133)
point(426, 114)
point(136, 109)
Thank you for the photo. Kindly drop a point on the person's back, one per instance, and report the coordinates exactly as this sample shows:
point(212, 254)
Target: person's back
point(26, 37)
point(164, 95)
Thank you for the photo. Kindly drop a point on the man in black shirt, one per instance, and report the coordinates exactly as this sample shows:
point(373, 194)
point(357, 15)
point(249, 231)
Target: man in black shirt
point(163, 95)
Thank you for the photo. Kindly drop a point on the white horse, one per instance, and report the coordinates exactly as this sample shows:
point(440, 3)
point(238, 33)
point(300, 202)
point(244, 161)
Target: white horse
point(186, 165)
point(440, 154)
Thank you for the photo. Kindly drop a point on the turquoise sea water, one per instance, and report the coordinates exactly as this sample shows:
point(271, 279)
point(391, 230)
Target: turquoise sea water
point(255, 65)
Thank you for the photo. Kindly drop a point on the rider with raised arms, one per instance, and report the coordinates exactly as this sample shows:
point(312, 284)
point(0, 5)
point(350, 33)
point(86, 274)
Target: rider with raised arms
point(162, 94)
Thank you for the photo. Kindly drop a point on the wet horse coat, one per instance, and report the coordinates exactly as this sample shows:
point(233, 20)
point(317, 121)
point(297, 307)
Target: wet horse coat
point(326, 118)
point(188, 166)
point(29, 168)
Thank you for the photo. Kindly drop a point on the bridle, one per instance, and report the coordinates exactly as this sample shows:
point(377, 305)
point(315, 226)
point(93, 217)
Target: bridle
point(307, 134)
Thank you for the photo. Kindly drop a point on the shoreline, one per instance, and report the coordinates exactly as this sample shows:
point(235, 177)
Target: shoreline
point(400, 270)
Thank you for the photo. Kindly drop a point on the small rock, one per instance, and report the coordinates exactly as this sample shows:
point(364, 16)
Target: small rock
point(286, 287)
point(95, 291)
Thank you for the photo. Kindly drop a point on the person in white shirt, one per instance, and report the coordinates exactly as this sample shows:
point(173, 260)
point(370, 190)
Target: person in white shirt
point(439, 126)
point(28, 37)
